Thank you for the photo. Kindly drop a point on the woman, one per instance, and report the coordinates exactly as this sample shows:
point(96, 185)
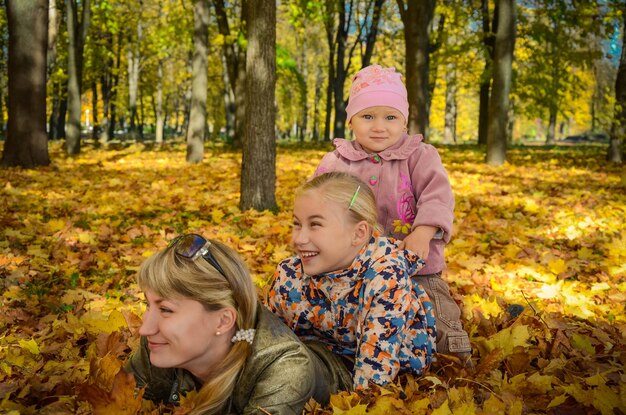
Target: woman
point(204, 330)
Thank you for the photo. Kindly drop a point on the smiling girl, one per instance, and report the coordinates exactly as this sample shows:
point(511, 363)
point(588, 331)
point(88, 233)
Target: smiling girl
point(349, 288)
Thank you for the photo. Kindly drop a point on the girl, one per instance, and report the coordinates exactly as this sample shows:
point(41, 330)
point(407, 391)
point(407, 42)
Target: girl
point(351, 289)
point(414, 197)
point(204, 330)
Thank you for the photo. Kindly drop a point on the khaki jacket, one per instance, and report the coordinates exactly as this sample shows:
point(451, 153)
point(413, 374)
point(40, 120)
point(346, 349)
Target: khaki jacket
point(279, 377)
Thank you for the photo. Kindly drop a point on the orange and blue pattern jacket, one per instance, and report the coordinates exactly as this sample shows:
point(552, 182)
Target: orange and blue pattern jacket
point(371, 311)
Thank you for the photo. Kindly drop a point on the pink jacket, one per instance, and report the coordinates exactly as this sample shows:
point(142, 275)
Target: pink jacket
point(411, 187)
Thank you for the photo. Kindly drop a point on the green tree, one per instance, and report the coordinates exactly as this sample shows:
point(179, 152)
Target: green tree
point(555, 43)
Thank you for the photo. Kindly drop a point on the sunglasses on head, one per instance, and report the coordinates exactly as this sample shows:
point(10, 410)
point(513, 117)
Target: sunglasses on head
point(194, 246)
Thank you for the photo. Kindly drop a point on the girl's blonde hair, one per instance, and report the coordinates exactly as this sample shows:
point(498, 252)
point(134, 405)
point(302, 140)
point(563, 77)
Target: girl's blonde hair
point(346, 190)
point(169, 275)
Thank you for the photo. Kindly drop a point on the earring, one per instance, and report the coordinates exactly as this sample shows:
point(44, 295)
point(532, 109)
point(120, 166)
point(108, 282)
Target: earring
point(217, 333)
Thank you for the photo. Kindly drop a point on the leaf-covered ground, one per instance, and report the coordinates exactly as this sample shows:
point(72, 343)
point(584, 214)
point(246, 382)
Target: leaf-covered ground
point(546, 231)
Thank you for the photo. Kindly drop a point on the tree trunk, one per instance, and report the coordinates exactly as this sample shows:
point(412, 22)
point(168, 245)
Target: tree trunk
point(134, 69)
point(94, 111)
point(114, 85)
point(618, 126)
point(160, 122)
point(53, 120)
point(485, 78)
point(417, 17)
point(258, 167)
point(62, 112)
point(340, 72)
point(304, 103)
point(3, 78)
point(329, 25)
point(550, 137)
point(319, 78)
point(449, 131)
point(499, 100)
point(27, 142)
point(372, 33)
point(76, 33)
point(53, 35)
point(106, 81)
point(235, 56)
point(229, 103)
point(199, 82)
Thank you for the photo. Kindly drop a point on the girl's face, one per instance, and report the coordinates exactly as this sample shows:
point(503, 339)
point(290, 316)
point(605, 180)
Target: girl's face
point(378, 128)
point(181, 333)
point(322, 234)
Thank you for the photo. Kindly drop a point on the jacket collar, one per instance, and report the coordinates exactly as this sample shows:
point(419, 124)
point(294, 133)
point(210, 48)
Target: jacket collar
point(401, 150)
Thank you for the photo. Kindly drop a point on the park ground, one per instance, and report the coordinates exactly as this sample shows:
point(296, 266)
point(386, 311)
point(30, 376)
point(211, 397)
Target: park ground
point(545, 231)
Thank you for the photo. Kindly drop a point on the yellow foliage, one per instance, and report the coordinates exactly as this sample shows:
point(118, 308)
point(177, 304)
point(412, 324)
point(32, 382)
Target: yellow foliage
point(508, 339)
point(545, 232)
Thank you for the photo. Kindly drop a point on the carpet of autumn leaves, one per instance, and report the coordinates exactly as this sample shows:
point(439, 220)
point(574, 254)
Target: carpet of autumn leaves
point(545, 231)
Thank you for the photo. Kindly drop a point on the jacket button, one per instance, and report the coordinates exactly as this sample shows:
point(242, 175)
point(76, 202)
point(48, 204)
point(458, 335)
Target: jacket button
point(373, 180)
point(376, 159)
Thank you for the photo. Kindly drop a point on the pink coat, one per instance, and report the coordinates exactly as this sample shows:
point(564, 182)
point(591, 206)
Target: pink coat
point(411, 187)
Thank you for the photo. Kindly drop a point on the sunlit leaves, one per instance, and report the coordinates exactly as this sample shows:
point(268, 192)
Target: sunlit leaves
point(544, 232)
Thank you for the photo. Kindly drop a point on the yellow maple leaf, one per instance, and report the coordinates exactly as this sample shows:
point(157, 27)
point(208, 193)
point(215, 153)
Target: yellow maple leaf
point(493, 405)
point(584, 253)
point(419, 407)
point(444, 409)
point(217, 215)
point(557, 266)
point(30, 345)
point(55, 225)
point(97, 322)
point(508, 339)
point(86, 238)
point(582, 342)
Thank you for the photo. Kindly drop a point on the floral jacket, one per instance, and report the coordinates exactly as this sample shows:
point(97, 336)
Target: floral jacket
point(411, 188)
point(372, 311)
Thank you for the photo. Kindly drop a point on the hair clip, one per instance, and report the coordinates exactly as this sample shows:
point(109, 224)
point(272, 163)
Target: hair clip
point(244, 335)
point(356, 193)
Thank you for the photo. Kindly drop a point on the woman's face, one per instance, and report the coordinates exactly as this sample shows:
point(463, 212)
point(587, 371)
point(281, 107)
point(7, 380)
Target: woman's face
point(181, 333)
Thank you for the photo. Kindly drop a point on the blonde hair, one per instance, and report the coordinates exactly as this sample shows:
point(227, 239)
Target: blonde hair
point(346, 190)
point(168, 275)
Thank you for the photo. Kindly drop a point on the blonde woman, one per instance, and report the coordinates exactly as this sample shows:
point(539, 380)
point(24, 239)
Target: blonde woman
point(204, 330)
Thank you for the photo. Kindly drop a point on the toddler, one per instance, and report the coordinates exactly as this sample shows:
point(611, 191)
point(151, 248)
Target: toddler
point(350, 289)
point(413, 194)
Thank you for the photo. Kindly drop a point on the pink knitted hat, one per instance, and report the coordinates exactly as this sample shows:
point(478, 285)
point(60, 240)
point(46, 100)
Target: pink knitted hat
point(377, 86)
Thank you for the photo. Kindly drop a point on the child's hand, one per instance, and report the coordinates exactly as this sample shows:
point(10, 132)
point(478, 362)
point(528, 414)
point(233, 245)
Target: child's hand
point(418, 241)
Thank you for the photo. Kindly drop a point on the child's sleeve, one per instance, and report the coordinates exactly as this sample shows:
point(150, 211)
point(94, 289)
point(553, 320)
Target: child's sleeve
point(286, 297)
point(431, 186)
point(382, 322)
point(277, 299)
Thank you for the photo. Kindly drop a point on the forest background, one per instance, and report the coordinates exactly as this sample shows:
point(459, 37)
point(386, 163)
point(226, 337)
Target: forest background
point(130, 95)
